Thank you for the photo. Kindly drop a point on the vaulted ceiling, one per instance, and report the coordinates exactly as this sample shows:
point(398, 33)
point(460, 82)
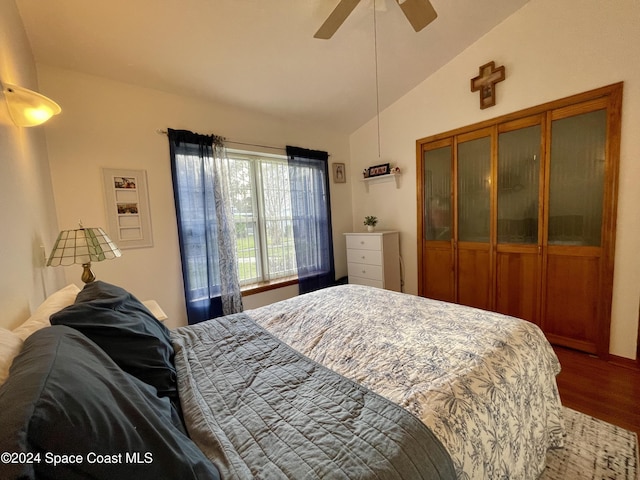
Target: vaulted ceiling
point(259, 54)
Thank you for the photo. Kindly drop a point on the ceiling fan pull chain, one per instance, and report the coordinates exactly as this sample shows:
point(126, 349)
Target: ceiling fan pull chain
point(375, 50)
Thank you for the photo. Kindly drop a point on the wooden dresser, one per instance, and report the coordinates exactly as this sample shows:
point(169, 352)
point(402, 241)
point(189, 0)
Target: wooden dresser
point(374, 259)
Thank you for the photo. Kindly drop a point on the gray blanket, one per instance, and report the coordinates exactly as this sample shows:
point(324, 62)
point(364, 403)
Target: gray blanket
point(259, 409)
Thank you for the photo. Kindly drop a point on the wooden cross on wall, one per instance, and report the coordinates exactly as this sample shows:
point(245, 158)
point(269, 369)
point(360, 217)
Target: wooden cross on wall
point(486, 83)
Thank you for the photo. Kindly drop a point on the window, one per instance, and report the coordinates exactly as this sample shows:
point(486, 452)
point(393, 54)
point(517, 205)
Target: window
point(245, 219)
point(261, 206)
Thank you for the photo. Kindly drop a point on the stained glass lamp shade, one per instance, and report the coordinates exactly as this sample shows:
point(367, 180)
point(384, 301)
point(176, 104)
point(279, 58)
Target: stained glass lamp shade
point(83, 246)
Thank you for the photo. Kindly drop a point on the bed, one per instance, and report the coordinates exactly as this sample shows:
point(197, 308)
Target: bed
point(484, 383)
point(347, 382)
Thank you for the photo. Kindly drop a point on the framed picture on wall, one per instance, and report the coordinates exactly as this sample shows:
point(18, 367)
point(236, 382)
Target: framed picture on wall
point(339, 173)
point(127, 202)
point(378, 170)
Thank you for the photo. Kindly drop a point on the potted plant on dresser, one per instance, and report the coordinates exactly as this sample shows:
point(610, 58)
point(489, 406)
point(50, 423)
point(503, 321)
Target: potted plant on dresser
point(370, 221)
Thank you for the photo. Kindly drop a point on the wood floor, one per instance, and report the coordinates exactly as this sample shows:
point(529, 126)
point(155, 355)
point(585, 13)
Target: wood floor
point(601, 389)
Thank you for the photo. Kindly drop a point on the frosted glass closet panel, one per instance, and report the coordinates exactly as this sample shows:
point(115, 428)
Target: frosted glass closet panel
point(577, 179)
point(474, 190)
point(518, 185)
point(437, 184)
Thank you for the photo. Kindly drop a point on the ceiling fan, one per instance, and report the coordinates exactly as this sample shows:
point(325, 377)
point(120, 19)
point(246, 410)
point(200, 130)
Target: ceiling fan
point(420, 13)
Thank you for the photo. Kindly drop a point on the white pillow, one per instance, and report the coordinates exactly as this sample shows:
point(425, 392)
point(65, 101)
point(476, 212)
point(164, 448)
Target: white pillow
point(10, 346)
point(54, 303)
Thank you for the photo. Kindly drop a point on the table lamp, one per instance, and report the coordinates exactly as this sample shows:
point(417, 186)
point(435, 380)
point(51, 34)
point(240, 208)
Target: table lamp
point(83, 246)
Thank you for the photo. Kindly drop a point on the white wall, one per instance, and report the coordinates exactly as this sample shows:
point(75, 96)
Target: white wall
point(550, 50)
point(27, 212)
point(110, 124)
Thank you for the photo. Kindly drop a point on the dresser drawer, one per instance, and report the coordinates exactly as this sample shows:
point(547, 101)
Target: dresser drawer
point(373, 272)
point(370, 257)
point(366, 281)
point(373, 259)
point(364, 242)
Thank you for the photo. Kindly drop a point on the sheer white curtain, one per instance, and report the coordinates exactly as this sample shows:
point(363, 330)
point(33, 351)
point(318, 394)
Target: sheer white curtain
point(311, 209)
point(206, 231)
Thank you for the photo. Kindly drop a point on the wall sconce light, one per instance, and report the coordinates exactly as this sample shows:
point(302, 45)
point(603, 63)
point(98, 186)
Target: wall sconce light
point(83, 246)
point(28, 108)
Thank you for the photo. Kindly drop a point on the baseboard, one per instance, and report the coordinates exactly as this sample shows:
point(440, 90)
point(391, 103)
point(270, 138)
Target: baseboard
point(624, 362)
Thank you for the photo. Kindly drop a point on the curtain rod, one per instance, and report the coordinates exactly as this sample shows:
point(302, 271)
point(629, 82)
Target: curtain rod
point(164, 132)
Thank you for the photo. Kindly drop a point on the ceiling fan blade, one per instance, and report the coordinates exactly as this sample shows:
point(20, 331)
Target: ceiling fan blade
point(337, 17)
point(420, 13)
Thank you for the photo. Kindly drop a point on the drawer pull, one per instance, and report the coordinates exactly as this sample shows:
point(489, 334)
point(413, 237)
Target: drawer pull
point(363, 257)
point(364, 271)
point(361, 242)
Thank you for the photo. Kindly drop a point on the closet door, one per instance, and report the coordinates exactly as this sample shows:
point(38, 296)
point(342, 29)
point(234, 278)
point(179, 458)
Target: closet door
point(524, 222)
point(436, 264)
point(520, 180)
point(574, 230)
point(473, 219)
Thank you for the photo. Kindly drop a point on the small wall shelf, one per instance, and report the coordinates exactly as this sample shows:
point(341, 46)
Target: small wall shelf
point(381, 179)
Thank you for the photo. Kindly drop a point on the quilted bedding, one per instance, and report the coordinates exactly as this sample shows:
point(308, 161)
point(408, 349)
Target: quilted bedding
point(259, 409)
point(484, 383)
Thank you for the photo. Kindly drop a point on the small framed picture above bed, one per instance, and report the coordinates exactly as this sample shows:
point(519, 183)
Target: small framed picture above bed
point(339, 173)
point(127, 203)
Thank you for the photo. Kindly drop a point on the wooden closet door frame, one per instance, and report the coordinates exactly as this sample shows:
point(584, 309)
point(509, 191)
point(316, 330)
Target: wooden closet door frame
point(423, 244)
point(605, 253)
point(612, 95)
point(537, 249)
point(458, 246)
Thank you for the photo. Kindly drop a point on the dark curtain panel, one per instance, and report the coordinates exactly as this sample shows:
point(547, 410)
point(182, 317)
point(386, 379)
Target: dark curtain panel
point(311, 212)
point(205, 225)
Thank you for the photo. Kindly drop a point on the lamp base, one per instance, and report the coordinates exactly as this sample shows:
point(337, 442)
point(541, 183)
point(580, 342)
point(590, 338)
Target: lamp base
point(87, 274)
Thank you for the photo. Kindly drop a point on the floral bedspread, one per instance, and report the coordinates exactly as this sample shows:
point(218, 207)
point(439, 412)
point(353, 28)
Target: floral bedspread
point(484, 383)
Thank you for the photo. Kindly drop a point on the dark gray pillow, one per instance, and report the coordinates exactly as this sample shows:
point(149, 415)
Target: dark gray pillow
point(65, 396)
point(127, 331)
